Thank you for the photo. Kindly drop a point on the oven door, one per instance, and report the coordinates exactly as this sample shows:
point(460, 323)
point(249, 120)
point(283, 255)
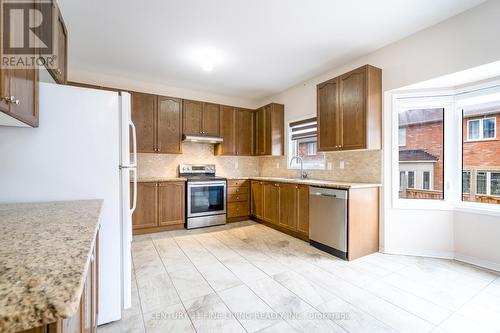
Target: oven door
point(206, 198)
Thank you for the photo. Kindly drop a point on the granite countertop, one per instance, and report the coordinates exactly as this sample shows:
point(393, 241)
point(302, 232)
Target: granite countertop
point(318, 182)
point(160, 179)
point(44, 256)
point(312, 182)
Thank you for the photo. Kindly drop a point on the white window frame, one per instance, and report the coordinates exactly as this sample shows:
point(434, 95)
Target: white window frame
point(407, 101)
point(488, 184)
point(314, 149)
point(455, 100)
point(481, 129)
point(430, 180)
point(290, 152)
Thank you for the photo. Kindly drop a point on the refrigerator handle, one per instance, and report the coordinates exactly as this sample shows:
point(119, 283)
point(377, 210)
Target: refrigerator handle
point(134, 197)
point(134, 144)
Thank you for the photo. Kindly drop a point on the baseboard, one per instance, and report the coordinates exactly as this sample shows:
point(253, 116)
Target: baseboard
point(478, 262)
point(418, 252)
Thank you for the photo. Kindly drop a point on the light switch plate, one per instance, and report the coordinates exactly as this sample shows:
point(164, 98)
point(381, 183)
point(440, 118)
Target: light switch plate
point(236, 165)
point(277, 165)
point(341, 164)
point(329, 166)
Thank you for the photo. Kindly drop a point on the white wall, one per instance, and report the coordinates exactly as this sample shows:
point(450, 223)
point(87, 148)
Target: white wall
point(464, 41)
point(123, 82)
point(477, 239)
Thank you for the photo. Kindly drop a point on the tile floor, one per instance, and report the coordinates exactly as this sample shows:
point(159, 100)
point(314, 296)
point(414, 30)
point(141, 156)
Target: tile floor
point(245, 277)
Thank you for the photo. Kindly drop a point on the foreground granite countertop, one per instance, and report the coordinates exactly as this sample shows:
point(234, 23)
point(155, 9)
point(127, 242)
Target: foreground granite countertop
point(312, 182)
point(44, 255)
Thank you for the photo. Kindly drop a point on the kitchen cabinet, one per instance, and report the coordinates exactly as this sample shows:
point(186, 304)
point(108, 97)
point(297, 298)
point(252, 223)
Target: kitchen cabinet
point(146, 213)
point(144, 118)
point(269, 130)
point(237, 130)
point(287, 206)
point(302, 206)
point(168, 128)
point(157, 121)
point(85, 319)
point(349, 109)
point(160, 207)
point(245, 132)
point(170, 203)
point(201, 118)
point(59, 72)
point(227, 131)
point(256, 199)
point(238, 200)
point(271, 202)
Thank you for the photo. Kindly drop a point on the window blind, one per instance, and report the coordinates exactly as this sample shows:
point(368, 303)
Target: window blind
point(302, 129)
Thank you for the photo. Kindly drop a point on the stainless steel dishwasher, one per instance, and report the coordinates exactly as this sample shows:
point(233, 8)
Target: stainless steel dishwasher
point(328, 220)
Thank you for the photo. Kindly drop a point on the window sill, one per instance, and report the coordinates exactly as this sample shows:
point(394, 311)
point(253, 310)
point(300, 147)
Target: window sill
point(478, 208)
point(306, 168)
point(480, 140)
point(421, 204)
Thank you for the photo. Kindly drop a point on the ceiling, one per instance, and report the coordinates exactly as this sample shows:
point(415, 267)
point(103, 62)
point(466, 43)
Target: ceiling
point(257, 47)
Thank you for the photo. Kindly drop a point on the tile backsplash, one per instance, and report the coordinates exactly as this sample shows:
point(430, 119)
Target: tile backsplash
point(359, 166)
point(166, 165)
point(364, 166)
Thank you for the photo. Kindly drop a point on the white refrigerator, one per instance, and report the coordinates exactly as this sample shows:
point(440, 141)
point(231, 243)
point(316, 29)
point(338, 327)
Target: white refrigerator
point(81, 150)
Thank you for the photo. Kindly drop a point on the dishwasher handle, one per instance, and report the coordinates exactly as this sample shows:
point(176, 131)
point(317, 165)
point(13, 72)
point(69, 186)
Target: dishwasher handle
point(328, 192)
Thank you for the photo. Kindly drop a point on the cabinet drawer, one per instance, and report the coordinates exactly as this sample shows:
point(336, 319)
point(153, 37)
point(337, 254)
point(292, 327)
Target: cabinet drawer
point(237, 209)
point(237, 197)
point(237, 190)
point(237, 182)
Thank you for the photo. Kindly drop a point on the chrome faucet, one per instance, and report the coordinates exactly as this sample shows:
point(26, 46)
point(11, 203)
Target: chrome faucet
point(303, 175)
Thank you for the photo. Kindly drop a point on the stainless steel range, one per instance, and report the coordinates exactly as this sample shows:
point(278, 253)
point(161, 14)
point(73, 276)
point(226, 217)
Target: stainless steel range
point(205, 195)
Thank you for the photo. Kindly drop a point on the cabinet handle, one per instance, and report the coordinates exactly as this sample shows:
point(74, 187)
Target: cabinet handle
point(58, 71)
point(11, 99)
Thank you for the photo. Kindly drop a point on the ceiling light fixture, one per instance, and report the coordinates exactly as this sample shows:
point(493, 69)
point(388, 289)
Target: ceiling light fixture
point(207, 58)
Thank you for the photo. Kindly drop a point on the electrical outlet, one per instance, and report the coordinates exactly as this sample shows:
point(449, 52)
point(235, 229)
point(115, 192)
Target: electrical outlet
point(236, 165)
point(341, 164)
point(329, 166)
point(277, 165)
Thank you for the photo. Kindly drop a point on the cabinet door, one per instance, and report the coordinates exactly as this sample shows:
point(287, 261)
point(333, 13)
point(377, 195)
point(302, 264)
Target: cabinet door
point(170, 203)
point(260, 124)
point(211, 119)
point(353, 109)
point(24, 87)
point(275, 130)
point(144, 119)
point(169, 125)
point(287, 206)
point(256, 198)
point(302, 206)
point(328, 115)
point(271, 199)
point(145, 215)
point(227, 131)
point(192, 117)
point(245, 132)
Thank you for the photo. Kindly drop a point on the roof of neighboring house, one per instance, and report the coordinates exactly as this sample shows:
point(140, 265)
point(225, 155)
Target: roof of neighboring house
point(415, 155)
point(481, 110)
point(420, 116)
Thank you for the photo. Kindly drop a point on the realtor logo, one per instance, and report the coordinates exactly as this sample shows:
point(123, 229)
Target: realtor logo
point(28, 38)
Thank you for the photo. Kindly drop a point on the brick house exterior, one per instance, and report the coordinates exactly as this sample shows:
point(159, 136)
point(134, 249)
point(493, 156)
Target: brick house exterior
point(421, 137)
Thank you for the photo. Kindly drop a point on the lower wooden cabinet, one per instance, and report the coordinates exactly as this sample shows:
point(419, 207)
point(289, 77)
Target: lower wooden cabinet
point(284, 205)
point(160, 207)
point(238, 200)
point(85, 318)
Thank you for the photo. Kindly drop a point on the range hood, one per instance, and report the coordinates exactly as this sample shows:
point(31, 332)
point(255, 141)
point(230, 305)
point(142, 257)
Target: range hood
point(201, 139)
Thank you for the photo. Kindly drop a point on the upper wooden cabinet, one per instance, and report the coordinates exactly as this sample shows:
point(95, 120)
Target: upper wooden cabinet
point(349, 109)
point(269, 130)
point(60, 73)
point(201, 118)
point(227, 131)
point(168, 124)
point(157, 121)
point(237, 130)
